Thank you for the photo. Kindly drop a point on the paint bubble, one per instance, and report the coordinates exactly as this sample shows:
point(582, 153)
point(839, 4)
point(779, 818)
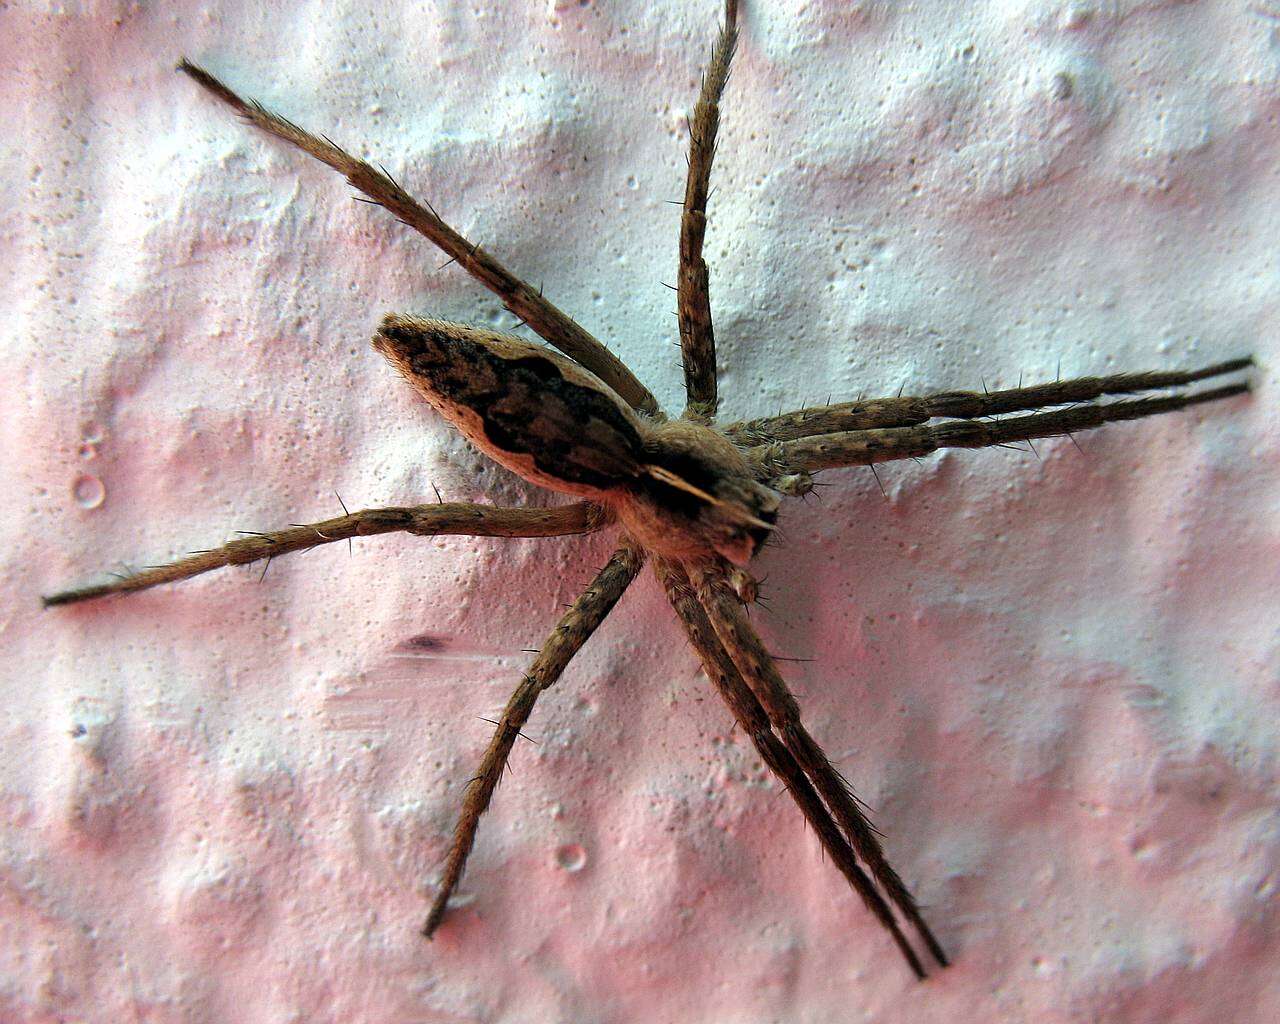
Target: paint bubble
point(88, 491)
point(571, 857)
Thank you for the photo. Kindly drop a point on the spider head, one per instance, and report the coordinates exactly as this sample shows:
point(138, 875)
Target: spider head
point(696, 495)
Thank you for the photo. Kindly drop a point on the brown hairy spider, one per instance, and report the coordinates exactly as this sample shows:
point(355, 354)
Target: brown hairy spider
point(696, 498)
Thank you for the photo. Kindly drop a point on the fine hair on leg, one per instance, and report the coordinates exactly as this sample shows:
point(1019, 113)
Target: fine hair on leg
point(523, 301)
point(909, 411)
point(573, 630)
point(420, 520)
point(751, 716)
point(729, 619)
point(863, 447)
point(693, 300)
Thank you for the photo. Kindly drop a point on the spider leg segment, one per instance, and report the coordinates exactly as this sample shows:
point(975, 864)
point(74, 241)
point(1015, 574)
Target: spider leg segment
point(573, 630)
point(749, 713)
point(757, 667)
point(422, 520)
point(864, 447)
point(524, 302)
point(697, 341)
point(910, 411)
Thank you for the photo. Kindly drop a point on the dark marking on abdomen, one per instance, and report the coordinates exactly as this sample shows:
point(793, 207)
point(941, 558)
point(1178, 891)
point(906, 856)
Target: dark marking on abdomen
point(526, 406)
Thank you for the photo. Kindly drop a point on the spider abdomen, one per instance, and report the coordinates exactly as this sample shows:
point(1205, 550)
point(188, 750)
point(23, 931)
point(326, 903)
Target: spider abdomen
point(526, 407)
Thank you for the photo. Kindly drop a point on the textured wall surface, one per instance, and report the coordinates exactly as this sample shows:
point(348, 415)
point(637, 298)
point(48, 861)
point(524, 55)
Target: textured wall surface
point(1056, 680)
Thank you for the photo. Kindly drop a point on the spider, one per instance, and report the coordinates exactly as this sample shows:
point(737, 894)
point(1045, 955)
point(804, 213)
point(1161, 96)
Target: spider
point(694, 497)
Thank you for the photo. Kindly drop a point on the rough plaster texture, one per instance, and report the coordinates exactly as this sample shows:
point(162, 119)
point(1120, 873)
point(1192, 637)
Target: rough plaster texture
point(1055, 680)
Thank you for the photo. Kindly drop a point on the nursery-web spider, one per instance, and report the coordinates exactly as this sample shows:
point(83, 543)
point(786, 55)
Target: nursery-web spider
point(695, 497)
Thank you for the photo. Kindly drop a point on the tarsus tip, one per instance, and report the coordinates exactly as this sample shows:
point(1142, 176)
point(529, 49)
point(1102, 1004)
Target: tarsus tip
point(59, 599)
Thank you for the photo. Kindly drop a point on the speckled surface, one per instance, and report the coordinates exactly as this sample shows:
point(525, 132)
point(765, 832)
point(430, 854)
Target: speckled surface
point(1055, 680)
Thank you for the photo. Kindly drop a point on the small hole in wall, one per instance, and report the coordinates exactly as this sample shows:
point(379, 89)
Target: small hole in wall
point(88, 491)
point(571, 857)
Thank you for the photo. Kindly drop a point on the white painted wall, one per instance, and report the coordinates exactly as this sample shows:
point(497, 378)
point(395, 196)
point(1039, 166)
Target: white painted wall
point(1056, 681)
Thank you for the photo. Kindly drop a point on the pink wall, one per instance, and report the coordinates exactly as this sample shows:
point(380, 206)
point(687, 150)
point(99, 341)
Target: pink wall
point(1055, 680)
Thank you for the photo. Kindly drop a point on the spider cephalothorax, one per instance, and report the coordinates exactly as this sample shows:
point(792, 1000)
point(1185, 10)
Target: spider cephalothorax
point(698, 496)
point(695, 497)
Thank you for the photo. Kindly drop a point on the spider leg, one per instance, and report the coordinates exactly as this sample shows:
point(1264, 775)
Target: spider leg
point(573, 630)
point(909, 411)
point(746, 708)
point(423, 520)
point(697, 341)
point(863, 447)
point(524, 302)
point(757, 667)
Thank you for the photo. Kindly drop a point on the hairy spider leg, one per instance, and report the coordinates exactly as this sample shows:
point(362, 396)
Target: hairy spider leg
point(693, 300)
point(761, 673)
point(910, 411)
point(573, 630)
point(747, 710)
point(863, 447)
point(421, 520)
point(524, 302)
